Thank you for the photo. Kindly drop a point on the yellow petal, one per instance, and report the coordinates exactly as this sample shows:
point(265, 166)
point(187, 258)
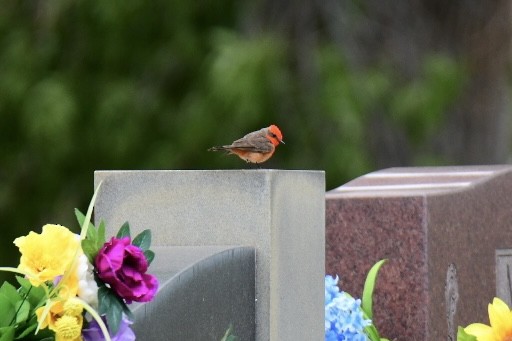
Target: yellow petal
point(68, 328)
point(73, 307)
point(55, 310)
point(481, 331)
point(501, 319)
point(47, 255)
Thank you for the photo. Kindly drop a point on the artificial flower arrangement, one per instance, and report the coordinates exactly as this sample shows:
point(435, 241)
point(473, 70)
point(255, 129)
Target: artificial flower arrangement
point(77, 287)
point(347, 318)
point(500, 329)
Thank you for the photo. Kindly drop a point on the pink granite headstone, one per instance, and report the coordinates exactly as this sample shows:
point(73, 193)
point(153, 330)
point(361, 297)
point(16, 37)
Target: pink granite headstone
point(441, 229)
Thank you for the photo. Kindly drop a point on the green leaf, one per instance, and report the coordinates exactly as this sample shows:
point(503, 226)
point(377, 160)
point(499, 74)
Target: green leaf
point(29, 330)
point(369, 286)
point(128, 312)
point(25, 283)
point(28, 333)
point(95, 238)
point(23, 310)
point(35, 295)
point(372, 333)
point(228, 336)
point(10, 292)
point(143, 240)
point(112, 307)
point(7, 333)
point(463, 336)
point(124, 231)
point(90, 249)
point(7, 311)
point(150, 255)
point(101, 235)
point(87, 220)
point(80, 217)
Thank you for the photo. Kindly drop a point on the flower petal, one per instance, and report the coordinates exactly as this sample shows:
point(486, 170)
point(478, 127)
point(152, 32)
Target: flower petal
point(481, 331)
point(501, 319)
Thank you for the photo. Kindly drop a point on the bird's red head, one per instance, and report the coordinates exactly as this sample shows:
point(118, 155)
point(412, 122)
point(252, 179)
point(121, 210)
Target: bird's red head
point(274, 135)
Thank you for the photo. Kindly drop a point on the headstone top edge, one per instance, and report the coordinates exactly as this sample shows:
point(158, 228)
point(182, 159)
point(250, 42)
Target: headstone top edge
point(216, 171)
point(333, 195)
point(210, 248)
point(418, 181)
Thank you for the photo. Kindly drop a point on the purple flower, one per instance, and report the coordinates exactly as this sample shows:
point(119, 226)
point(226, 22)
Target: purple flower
point(123, 266)
point(94, 333)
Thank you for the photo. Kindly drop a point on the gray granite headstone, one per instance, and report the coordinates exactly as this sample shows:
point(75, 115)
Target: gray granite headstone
point(203, 291)
point(440, 228)
point(279, 213)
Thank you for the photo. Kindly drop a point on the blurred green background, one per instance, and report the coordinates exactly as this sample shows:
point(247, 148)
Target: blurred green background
point(355, 86)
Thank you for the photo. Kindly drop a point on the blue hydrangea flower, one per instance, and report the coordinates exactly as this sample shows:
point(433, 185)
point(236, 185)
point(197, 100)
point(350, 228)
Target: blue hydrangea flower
point(344, 319)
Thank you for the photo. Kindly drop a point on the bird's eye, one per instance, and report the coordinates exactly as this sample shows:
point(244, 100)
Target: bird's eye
point(273, 135)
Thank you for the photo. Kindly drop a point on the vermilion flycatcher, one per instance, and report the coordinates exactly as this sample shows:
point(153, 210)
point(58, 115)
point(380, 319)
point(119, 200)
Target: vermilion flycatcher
point(255, 147)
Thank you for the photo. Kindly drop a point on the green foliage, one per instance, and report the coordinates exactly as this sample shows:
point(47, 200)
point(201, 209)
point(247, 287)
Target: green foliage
point(228, 336)
point(143, 240)
point(367, 300)
point(113, 307)
point(420, 104)
point(17, 311)
point(92, 238)
point(90, 85)
point(369, 286)
point(124, 231)
point(95, 237)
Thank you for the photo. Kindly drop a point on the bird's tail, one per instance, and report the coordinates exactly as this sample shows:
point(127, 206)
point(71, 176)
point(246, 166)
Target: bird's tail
point(218, 148)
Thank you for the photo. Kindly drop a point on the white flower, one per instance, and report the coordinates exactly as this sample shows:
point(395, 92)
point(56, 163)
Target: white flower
point(87, 287)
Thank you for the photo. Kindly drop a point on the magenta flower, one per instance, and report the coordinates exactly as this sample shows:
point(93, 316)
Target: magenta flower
point(123, 266)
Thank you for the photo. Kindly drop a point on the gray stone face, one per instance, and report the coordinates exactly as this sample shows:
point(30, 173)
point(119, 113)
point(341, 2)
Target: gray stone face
point(279, 213)
point(203, 290)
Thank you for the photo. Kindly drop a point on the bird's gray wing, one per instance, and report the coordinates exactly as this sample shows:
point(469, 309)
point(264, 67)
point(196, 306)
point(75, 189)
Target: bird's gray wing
point(254, 142)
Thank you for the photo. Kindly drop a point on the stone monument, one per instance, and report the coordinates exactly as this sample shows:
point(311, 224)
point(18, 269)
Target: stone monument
point(441, 229)
point(280, 214)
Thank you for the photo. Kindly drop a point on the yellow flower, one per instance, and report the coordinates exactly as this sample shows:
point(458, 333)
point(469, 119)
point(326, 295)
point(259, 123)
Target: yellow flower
point(500, 329)
point(73, 307)
point(47, 255)
point(69, 328)
point(56, 310)
point(68, 285)
point(64, 318)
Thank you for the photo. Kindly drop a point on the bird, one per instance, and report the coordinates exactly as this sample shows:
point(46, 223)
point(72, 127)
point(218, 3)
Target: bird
point(256, 147)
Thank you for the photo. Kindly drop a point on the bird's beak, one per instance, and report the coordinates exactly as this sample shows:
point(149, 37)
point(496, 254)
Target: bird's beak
point(281, 141)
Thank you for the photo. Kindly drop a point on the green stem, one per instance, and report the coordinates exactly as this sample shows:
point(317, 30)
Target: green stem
point(98, 319)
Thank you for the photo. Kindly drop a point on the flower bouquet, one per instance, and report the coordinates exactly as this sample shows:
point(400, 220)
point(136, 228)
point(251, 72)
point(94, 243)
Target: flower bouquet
point(76, 287)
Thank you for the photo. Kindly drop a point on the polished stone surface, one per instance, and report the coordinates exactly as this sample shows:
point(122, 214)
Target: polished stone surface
point(203, 290)
point(427, 222)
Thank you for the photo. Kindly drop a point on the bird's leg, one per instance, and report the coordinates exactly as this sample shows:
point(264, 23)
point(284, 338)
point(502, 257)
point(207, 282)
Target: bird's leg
point(254, 165)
